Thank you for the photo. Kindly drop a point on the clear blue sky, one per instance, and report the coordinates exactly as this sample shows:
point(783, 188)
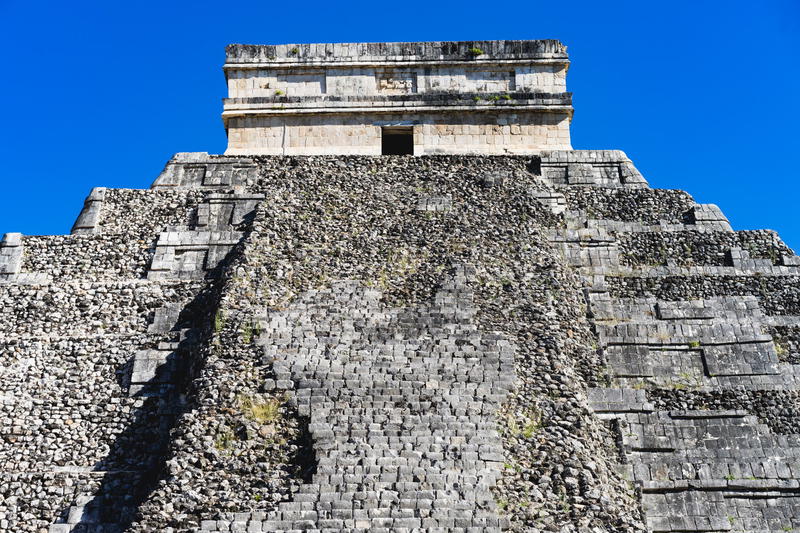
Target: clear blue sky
point(703, 96)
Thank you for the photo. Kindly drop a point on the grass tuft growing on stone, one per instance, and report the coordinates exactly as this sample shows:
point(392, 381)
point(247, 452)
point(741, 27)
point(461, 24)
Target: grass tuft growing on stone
point(263, 412)
point(225, 440)
point(528, 425)
point(250, 331)
point(219, 321)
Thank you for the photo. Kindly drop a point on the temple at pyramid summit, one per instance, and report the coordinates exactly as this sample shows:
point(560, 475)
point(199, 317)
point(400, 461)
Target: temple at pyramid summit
point(399, 302)
point(495, 97)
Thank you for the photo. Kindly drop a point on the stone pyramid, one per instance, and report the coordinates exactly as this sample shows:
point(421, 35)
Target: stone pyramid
point(439, 342)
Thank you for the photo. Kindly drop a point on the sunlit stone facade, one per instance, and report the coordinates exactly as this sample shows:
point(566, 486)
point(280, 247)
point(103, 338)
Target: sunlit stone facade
point(486, 97)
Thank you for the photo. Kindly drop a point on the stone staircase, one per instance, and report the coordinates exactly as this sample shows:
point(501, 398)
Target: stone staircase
point(401, 405)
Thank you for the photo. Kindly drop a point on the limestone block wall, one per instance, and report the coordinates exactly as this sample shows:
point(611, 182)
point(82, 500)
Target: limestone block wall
point(697, 329)
point(470, 80)
point(390, 80)
point(479, 133)
point(74, 440)
point(329, 99)
point(542, 78)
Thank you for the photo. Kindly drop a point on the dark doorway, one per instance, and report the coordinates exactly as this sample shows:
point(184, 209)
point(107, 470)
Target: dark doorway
point(397, 141)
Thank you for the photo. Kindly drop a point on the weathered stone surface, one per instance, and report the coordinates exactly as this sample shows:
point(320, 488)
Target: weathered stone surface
point(483, 97)
point(442, 343)
point(683, 318)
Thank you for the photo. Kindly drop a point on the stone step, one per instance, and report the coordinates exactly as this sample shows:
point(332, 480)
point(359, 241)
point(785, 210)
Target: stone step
point(406, 410)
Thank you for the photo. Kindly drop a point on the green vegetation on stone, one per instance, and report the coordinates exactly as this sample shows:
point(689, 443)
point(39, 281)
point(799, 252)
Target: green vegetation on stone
point(261, 411)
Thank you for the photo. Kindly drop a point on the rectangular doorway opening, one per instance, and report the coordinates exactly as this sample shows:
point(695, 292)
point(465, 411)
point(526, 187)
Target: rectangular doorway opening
point(397, 141)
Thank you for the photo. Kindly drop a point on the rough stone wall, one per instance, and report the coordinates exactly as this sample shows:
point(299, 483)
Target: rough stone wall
point(93, 357)
point(712, 248)
point(425, 217)
point(437, 343)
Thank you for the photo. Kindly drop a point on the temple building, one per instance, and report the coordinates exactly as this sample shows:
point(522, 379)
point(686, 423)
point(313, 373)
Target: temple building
point(480, 97)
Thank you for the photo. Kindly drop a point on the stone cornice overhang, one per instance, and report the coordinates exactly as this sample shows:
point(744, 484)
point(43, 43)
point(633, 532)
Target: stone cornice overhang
point(270, 56)
point(389, 63)
point(417, 103)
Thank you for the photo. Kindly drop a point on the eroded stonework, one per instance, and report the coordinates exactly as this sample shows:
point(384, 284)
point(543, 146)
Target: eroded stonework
point(452, 343)
point(402, 407)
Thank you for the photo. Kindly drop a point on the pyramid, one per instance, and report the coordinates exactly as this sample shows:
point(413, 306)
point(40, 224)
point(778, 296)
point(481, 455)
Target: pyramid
point(399, 302)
